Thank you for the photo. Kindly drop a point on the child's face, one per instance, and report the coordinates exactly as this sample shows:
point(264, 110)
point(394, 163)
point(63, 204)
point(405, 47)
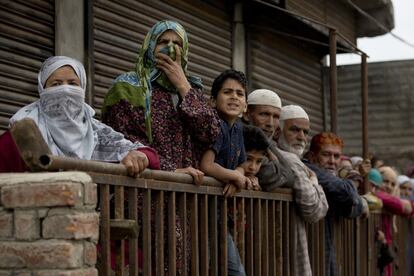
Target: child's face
point(231, 100)
point(254, 159)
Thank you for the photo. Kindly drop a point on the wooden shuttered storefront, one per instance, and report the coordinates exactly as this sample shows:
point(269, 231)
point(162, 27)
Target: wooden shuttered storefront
point(27, 39)
point(295, 74)
point(120, 28)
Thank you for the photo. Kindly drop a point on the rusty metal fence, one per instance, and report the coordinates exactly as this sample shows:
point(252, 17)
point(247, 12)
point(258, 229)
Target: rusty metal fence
point(261, 225)
point(156, 227)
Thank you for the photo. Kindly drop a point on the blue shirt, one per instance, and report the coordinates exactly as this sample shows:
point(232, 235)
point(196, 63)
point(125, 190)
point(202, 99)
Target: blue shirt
point(229, 146)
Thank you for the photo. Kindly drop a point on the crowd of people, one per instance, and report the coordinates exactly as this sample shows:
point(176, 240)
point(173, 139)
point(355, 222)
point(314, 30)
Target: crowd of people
point(156, 116)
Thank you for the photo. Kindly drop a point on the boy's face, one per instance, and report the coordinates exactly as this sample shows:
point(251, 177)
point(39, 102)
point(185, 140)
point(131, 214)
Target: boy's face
point(231, 100)
point(254, 159)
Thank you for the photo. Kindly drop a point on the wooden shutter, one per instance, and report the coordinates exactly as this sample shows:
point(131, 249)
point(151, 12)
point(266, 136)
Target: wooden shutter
point(295, 74)
point(120, 28)
point(27, 39)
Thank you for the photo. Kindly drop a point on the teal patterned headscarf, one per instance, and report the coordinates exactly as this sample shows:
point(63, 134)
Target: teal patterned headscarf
point(136, 86)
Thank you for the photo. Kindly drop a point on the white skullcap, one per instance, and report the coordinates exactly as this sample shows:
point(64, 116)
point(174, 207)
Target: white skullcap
point(264, 97)
point(293, 112)
point(403, 179)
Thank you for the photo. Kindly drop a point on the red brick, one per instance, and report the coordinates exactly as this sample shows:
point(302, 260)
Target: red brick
point(71, 226)
point(6, 224)
point(42, 195)
point(41, 254)
point(26, 225)
point(77, 272)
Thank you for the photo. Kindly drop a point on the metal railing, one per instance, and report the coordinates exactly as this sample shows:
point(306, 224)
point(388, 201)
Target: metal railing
point(261, 227)
point(159, 219)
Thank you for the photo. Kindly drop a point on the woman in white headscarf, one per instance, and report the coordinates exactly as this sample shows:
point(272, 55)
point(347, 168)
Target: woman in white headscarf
point(67, 124)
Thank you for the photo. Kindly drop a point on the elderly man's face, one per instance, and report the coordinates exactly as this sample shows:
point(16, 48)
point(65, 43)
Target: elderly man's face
point(294, 136)
point(265, 117)
point(328, 157)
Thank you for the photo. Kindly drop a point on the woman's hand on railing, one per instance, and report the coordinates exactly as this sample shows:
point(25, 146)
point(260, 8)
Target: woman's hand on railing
point(196, 174)
point(135, 162)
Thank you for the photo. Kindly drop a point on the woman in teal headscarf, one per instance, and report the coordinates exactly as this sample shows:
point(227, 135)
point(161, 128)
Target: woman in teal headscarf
point(161, 105)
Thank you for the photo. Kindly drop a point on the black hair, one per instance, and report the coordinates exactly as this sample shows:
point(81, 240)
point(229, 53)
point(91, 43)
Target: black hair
point(254, 139)
point(228, 74)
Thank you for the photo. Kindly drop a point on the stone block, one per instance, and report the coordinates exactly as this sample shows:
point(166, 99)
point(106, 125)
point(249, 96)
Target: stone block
point(49, 177)
point(71, 226)
point(43, 212)
point(89, 249)
point(6, 224)
point(26, 225)
point(91, 194)
point(42, 254)
point(42, 195)
point(22, 273)
point(77, 272)
point(5, 273)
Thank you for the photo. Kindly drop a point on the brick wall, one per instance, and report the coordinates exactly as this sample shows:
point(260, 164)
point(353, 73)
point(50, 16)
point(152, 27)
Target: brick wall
point(48, 224)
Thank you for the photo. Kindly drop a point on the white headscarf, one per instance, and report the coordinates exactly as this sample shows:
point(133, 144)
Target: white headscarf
point(66, 121)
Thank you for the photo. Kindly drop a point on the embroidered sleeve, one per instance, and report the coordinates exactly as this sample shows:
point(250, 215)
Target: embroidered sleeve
point(200, 117)
point(125, 118)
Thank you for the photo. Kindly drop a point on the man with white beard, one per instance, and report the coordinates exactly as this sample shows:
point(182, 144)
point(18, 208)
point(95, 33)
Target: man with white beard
point(295, 127)
point(309, 197)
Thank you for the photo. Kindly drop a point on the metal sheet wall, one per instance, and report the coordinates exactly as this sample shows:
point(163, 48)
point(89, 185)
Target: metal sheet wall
point(27, 38)
point(120, 27)
point(294, 73)
point(391, 116)
point(334, 13)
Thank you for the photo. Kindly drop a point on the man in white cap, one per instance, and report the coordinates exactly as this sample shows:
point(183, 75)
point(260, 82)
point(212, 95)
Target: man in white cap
point(295, 127)
point(264, 109)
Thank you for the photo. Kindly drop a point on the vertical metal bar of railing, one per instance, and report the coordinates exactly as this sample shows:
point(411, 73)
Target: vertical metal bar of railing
point(133, 242)
point(272, 238)
point(279, 237)
point(286, 239)
point(257, 231)
point(147, 266)
point(172, 235)
point(105, 230)
point(249, 237)
point(119, 244)
point(242, 234)
point(159, 233)
point(233, 205)
point(204, 235)
point(182, 210)
point(214, 260)
point(223, 237)
point(195, 262)
point(265, 241)
point(292, 239)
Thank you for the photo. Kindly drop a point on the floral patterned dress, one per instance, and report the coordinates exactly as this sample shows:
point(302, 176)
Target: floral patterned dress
point(182, 130)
